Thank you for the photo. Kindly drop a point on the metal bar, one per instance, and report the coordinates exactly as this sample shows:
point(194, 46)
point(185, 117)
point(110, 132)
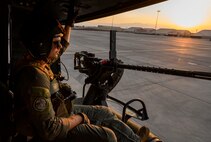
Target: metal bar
point(112, 52)
point(194, 74)
point(123, 103)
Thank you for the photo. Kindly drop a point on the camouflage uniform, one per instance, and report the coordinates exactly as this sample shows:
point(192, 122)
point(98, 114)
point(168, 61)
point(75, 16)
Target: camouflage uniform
point(35, 115)
point(103, 116)
point(38, 115)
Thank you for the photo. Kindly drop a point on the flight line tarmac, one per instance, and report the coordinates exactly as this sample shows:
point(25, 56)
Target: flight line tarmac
point(178, 107)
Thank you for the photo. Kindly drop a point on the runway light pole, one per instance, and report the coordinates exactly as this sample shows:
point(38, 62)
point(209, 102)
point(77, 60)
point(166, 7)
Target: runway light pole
point(156, 23)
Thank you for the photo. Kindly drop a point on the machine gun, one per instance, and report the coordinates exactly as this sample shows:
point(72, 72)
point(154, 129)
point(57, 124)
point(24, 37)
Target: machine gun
point(87, 63)
point(104, 74)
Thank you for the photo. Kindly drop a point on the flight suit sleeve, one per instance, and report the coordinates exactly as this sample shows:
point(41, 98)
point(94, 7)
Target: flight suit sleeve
point(38, 101)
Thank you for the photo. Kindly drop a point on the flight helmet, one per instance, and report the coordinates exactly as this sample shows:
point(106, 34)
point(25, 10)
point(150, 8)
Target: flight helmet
point(39, 29)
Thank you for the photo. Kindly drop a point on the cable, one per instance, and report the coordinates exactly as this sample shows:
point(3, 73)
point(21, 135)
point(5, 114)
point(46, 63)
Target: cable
point(66, 71)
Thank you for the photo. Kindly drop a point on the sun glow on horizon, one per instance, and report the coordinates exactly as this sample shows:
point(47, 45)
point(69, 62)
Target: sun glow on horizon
point(188, 13)
point(192, 15)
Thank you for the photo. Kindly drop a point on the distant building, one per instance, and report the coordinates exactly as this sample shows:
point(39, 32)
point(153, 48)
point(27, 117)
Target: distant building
point(164, 31)
point(140, 30)
point(148, 31)
point(85, 28)
point(106, 28)
point(202, 34)
point(181, 33)
point(173, 32)
point(78, 27)
point(134, 29)
point(98, 28)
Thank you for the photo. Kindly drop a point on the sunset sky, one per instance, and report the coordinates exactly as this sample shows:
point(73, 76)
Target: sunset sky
point(193, 15)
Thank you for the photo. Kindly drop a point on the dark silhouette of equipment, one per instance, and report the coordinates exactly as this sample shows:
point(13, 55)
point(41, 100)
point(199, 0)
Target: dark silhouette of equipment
point(104, 75)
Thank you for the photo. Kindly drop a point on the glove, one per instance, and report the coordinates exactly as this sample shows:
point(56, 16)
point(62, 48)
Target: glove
point(65, 88)
point(85, 118)
point(66, 91)
point(67, 12)
point(60, 9)
point(72, 15)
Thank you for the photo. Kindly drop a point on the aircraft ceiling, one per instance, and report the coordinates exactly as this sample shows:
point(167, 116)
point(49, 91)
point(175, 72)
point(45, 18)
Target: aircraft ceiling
point(91, 9)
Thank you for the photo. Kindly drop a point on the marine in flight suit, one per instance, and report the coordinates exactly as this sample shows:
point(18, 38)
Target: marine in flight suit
point(41, 111)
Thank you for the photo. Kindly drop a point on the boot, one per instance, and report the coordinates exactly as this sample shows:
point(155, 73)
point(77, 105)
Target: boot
point(143, 132)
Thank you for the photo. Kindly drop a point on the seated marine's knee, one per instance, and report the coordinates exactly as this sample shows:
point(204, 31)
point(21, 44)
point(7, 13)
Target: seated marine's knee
point(106, 110)
point(111, 137)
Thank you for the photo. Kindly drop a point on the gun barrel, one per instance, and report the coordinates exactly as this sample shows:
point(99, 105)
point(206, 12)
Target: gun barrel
point(194, 74)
